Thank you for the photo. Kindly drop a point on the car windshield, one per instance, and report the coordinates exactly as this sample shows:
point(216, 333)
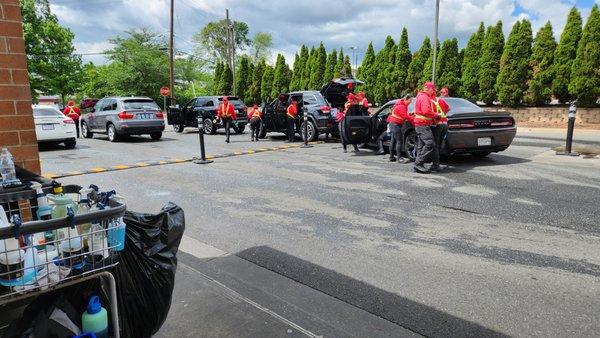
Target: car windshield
point(46, 112)
point(140, 104)
point(457, 105)
point(233, 100)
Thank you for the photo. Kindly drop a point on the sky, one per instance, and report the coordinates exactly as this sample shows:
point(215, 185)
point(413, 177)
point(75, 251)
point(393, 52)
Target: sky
point(337, 23)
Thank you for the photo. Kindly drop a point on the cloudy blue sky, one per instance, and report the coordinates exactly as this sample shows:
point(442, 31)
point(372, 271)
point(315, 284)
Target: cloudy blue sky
point(338, 23)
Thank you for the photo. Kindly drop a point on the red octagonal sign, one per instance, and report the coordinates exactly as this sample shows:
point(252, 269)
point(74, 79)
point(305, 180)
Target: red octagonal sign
point(164, 91)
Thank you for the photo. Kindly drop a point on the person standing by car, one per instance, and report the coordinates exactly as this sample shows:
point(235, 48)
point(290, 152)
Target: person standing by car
point(73, 112)
point(351, 108)
point(424, 118)
point(444, 92)
point(291, 113)
point(396, 120)
point(440, 126)
point(362, 98)
point(255, 117)
point(226, 113)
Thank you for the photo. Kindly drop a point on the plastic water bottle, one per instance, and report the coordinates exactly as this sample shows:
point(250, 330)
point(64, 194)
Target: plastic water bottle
point(95, 318)
point(116, 233)
point(7, 169)
point(68, 240)
point(84, 208)
point(16, 264)
point(99, 243)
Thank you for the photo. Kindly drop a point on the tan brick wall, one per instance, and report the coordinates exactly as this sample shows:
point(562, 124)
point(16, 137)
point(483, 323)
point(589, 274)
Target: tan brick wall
point(552, 117)
point(17, 131)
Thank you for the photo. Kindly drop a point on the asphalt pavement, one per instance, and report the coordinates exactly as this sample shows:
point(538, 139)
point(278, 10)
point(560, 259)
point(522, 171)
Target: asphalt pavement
point(506, 245)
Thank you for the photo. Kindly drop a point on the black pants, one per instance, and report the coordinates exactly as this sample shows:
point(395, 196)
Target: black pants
point(227, 124)
point(439, 133)
point(254, 128)
point(427, 146)
point(397, 141)
point(342, 137)
point(291, 128)
point(77, 127)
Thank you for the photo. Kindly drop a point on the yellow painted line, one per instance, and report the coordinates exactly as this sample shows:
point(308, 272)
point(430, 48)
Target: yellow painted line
point(97, 170)
point(163, 162)
point(121, 167)
point(238, 153)
point(50, 176)
point(209, 157)
point(74, 173)
point(142, 164)
point(178, 160)
point(262, 149)
point(250, 151)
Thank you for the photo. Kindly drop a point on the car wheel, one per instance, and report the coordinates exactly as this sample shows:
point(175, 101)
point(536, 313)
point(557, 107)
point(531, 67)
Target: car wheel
point(70, 143)
point(156, 136)
point(313, 133)
point(240, 129)
point(111, 131)
point(410, 145)
point(481, 154)
point(209, 127)
point(263, 131)
point(85, 132)
point(178, 128)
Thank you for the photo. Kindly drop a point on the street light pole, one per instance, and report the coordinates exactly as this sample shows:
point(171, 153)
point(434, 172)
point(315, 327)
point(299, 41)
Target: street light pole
point(353, 49)
point(435, 39)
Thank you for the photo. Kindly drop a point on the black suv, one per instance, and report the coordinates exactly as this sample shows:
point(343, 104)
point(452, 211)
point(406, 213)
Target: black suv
point(206, 107)
point(319, 115)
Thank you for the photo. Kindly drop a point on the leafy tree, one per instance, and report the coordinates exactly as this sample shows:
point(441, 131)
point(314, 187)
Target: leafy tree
point(339, 65)
point(470, 65)
point(280, 77)
point(253, 94)
point(514, 65)
point(346, 68)
point(217, 77)
point(402, 62)
point(564, 56)
point(296, 83)
point(542, 56)
point(365, 70)
point(449, 66)
point(261, 46)
point(213, 38)
point(585, 74)
point(296, 67)
point(330, 67)
point(52, 66)
point(427, 73)
point(317, 70)
point(489, 63)
point(415, 69)
point(384, 63)
point(267, 83)
point(242, 77)
point(306, 72)
point(225, 86)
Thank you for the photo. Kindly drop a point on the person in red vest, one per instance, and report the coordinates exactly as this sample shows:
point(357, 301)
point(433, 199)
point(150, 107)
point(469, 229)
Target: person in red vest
point(226, 113)
point(291, 114)
point(444, 92)
point(362, 99)
point(73, 112)
point(440, 126)
point(255, 118)
point(350, 104)
point(425, 116)
point(397, 120)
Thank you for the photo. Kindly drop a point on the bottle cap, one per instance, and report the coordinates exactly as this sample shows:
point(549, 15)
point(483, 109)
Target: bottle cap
point(57, 188)
point(94, 305)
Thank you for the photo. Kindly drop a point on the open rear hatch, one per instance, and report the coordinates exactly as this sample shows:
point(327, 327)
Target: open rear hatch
point(337, 89)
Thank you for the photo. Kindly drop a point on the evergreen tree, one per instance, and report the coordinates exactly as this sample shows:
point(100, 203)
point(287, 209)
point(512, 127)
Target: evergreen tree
point(330, 66)
point(384, 63)
point(347, 67)
point(365, 70)
point(402, 62)
point(449, 66)
point(564, 56)
point(217, 77)
point(306, 72)
point(339, 65)
point(427, 73)
point(266, 84)
point(317, 70)
point(225, 86)
point(469, 86)
point(242, 77)
point(585, 74)
point(299, 71)
point(294, 78)
point(280, 77)
point(514, 65)
point(489, 62)
point(253, 95)
point(415, 69)
point(542, 56)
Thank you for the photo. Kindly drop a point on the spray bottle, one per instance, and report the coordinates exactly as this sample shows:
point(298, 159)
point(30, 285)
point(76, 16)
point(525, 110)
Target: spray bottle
point(43, 213)
point(84, 208)
point(68, 239)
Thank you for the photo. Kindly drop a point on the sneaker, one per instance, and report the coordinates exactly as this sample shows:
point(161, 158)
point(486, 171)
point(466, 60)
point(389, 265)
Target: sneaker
point(392, 159)
point(403, 160)
point(437, 168)
point(226, 141)
point(345, 151)
point(421, 169)
point(380, 152)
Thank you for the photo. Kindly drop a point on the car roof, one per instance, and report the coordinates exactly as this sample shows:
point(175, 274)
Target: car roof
point(305, 92)
point(127, 98)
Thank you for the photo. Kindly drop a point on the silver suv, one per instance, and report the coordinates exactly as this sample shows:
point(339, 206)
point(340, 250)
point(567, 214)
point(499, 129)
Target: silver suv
point(123, 116)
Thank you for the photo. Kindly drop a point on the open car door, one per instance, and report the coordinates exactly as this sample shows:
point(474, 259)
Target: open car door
point(175, 116)
point(356, 126)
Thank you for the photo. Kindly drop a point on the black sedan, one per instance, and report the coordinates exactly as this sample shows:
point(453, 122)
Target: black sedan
point(471, 129)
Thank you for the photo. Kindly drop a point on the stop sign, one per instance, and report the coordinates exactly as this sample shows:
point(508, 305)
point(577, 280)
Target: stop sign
point(164, 91)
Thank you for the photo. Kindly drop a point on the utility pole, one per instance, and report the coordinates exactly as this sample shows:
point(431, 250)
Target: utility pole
point(435, 38)
point(353, 49)
point(229, 37)
point(171, 71)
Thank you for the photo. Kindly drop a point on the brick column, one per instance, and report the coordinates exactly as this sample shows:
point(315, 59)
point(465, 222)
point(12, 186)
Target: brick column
point(17, 130)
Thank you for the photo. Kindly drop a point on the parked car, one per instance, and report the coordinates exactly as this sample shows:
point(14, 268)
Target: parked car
point(318, 109)
point(206, 107)
point(471, 129)
point(335, 92)
point(123, 116)
point(51, 126)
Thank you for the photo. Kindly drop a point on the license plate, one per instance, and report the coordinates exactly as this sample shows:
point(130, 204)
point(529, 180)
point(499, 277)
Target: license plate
point(47, 127)
point(484, 141)
point(144, 116)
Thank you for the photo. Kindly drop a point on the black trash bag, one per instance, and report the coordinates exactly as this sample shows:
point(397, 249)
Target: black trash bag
point(145, 275)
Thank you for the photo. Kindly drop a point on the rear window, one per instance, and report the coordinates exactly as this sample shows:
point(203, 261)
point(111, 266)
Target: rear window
point(140, 104)
point(46, 112)
point(233, 100)
point(314, 99)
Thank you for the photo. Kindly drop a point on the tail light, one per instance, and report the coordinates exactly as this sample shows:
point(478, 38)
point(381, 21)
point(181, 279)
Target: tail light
point(502, 123)
point(68, 121)
point(125, 115)
point(159, 115)
point(326, 109)
point(461, 124)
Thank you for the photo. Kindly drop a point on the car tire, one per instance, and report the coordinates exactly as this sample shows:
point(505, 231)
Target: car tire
point(111, 131)
point(178, 128)
point(410, 145)
point(85, 131)
point(481, 154)
point(240, 129)
point(70, 143)
point(313, 132)
point(156, 136)
point(263, 131)
point(209, 127)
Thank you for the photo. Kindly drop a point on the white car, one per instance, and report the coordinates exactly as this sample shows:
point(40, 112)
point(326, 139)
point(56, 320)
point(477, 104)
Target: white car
point(51, 126)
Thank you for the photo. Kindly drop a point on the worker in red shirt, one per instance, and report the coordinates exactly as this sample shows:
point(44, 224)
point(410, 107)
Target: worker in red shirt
point(226, 113)
point(349, 108)
point(440, 126)
point(362, 99)
point(444, 92)
point(424, 118)
point(291, 114)
point(73, 112)
point(255, 118)
point(396, 120)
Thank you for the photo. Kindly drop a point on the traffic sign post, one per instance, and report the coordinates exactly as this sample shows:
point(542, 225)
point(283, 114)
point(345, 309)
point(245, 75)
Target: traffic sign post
point(164, 91)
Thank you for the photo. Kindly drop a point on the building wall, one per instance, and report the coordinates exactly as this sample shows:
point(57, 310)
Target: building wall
point(553, 117)
point(17, 130)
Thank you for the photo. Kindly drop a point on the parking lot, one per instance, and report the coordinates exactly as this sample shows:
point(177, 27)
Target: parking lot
point(502, 245)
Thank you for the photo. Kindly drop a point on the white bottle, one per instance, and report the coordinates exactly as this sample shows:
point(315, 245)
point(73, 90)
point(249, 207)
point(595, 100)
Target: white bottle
point(10, 252)
point(84, 208)
point(99, 245)
point(7, 169)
